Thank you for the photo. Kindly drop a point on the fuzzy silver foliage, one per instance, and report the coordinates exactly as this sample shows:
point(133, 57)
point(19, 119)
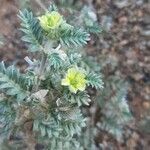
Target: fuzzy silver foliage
point(35, 102)
point(115, 108)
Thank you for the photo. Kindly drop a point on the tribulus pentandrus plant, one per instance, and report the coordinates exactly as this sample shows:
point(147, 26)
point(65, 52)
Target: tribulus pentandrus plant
point(43, 104)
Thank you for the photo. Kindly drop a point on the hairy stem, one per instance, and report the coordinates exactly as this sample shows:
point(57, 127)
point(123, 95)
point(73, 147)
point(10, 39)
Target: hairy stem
point(41, 69)
point(29, 138)
point(43, 62)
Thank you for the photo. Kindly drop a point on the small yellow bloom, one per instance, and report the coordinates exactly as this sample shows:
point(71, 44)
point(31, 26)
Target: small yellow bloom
point(75, 80)
point(50, 20)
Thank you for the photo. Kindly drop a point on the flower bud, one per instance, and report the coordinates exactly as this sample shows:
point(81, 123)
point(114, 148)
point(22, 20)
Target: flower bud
point(50, 21)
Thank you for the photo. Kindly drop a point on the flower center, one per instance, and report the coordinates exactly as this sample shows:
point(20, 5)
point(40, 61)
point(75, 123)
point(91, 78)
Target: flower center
point(74, 80)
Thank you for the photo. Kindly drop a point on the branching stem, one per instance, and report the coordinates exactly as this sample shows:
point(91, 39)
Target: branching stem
point(41, 69)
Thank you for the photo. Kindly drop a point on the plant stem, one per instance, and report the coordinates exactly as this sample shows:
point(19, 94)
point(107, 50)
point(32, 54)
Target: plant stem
point(43, 62)
point(41, 70)
point(29, 138)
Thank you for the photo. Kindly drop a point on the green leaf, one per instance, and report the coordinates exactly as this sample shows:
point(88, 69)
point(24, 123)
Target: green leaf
point(95, 28)
point(73, 122)
point(74, 37)
point(7, 117)
point(52, 7)
point(12, 82)
point(80, 98)
point(55, 60)
point(94, 80)
point(114, 107)
point(33, 32)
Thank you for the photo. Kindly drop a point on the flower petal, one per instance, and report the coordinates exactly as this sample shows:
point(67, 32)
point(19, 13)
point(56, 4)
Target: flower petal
point(82, 88)
point(50, 20)
point(73, 89)
point(64, 82)
point(75, 80)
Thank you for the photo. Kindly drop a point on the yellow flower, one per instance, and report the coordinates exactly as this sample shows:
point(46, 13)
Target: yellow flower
point(50, 20)
point(75, 80)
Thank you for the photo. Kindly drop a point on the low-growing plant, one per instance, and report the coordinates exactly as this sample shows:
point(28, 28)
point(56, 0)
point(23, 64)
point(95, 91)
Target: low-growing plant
point(111, 113)
point(42, 107)
point(43, 104)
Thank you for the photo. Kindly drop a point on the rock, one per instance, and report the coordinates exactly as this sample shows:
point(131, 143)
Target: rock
point(123, 19)
point(146, 105)
point(124, 42)
point(146, 19)
point(121, 4)
point(145, 33)
point(137, 76)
